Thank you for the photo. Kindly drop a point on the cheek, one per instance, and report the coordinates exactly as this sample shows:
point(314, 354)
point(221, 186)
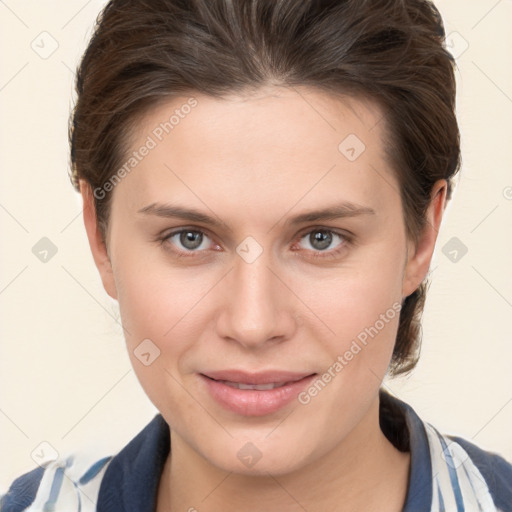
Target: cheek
point(359, 310)
point(158, 305)
point(153, 295)
point(364, 316)
point(354, 298)
point(157, 313)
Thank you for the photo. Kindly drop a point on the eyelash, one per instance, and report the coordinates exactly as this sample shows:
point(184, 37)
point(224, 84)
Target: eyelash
point(347, 240)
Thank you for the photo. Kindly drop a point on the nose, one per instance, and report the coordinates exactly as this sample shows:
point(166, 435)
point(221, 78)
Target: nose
point(256, 308)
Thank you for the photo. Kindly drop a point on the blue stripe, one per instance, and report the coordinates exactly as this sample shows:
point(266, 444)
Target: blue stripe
point(441, 501)
point(93, 471)
point(459, 500)
point(49, 506)
point(480, 509)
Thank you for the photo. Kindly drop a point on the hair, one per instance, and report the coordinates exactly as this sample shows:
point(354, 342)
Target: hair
point(144, 52)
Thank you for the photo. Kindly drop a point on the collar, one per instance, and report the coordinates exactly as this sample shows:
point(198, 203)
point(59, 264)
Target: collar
point(130, 483)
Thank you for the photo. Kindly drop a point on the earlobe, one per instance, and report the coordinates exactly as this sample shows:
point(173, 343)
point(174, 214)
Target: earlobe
point(420, 254)
point(96, 243)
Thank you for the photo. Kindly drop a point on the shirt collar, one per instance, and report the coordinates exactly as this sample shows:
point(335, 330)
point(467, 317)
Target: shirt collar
point(406, 430)
point(130, 483)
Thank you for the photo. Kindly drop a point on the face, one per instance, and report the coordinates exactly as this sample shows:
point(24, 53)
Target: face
point(259, 257)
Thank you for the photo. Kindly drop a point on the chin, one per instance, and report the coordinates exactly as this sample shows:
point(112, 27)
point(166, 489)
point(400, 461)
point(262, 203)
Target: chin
point(279, 466)
point(259, 457)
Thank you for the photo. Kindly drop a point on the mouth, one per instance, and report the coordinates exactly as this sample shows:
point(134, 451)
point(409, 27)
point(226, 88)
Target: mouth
point(255, 394)
point(259, 387)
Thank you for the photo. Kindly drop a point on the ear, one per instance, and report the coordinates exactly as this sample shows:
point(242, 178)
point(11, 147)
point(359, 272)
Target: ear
point(98, 246)
point(420, 254)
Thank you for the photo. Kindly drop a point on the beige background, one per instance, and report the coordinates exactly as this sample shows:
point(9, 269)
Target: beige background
point(65, 378)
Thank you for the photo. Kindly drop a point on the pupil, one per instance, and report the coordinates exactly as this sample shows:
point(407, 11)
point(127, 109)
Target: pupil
point(189, 239)
point(324, 238)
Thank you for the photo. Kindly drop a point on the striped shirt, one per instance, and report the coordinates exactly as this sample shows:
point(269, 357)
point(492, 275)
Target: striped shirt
point(447, 474)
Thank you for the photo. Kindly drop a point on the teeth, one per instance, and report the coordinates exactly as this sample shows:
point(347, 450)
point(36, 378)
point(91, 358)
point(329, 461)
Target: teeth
point(258, 387)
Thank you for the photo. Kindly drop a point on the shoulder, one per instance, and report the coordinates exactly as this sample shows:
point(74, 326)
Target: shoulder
point(67, 480)
point(87, 479)
point(470, 471)
point(447, 472)
point(496, 471)
point(22, 491)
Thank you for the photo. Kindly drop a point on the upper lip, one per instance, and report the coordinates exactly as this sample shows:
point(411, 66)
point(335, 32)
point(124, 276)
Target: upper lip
point(265, 377)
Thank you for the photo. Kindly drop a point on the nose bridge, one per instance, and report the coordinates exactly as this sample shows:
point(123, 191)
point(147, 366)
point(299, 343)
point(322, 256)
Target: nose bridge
point(254, 308)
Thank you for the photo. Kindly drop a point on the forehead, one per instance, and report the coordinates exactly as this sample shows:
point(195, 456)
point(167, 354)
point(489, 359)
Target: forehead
point(277, 107)
point(277, 144)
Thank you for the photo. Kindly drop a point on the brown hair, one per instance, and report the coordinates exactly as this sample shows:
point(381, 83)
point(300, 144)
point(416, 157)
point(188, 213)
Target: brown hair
point(144, 52)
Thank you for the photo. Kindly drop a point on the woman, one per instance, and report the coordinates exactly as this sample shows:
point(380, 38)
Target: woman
point(263, 183)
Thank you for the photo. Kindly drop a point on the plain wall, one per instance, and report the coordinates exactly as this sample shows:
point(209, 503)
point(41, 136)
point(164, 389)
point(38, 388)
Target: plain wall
point(65, 378)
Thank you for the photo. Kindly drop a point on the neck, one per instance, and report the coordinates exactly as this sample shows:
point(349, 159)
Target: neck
point(364, 472)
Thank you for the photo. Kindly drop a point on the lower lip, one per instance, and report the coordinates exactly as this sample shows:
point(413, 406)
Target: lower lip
point(253, 402)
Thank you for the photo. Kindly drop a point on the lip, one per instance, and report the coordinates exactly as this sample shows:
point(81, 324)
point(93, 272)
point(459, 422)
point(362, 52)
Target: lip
point(253, 402)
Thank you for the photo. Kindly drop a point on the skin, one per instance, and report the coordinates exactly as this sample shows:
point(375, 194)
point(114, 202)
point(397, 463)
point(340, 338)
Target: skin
point(254, 161)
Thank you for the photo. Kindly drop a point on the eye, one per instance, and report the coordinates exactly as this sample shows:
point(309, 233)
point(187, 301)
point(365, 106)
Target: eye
point(320, 239)
point(192, 242)
point(188, 240)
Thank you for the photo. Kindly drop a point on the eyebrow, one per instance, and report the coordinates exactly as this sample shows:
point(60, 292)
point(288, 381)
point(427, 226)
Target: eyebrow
point(336, 211)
